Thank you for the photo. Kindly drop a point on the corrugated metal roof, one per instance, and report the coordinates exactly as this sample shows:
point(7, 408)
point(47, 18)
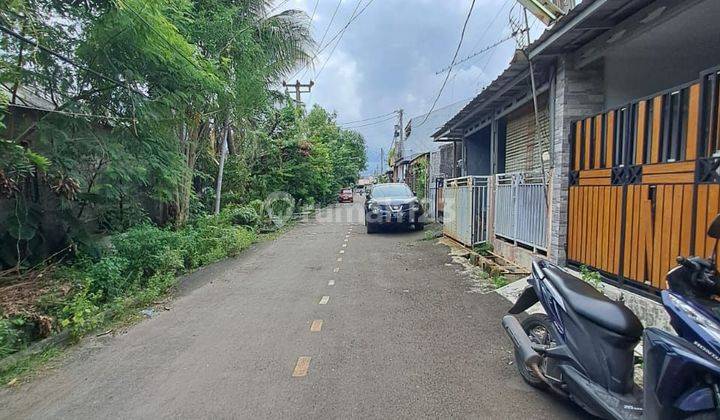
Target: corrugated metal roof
point(28, 97)
point(583, 23)
point(420, 139)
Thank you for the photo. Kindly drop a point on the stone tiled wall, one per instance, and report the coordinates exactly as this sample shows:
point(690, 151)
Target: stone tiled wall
point(577, 94)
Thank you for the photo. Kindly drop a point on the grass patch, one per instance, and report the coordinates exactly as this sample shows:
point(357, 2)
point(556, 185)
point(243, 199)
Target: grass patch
point(26, 366)
point(498, 281)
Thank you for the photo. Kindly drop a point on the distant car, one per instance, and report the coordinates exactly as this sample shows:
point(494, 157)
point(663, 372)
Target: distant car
point(392, 204)
point(345, 196)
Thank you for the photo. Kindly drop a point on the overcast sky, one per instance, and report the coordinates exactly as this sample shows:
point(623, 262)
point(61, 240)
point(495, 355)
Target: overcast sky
point(387, 58)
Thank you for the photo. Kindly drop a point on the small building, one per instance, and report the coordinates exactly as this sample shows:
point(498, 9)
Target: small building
point(420, 161)
point(598, 144)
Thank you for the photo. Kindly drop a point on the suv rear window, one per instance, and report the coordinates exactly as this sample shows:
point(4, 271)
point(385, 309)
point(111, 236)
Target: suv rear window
point(391, 190)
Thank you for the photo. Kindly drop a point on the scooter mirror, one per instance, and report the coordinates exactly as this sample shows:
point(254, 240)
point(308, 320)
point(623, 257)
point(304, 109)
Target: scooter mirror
point(714, 228)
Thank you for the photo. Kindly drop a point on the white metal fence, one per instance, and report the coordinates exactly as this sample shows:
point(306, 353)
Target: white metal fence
point(521, 209)
point(465, 209)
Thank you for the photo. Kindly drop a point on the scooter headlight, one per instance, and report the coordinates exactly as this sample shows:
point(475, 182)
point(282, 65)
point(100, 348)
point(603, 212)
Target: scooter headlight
point(708, 325)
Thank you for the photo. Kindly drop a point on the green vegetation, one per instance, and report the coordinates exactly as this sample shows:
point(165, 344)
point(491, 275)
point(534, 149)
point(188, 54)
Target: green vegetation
point(27, 365)
point(419, 177)
point(108, 177)
point(591, 276)
point(483, 248)
point(498, 281)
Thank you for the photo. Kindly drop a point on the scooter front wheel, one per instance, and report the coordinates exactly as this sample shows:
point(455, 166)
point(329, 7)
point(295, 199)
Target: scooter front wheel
point(538, 328)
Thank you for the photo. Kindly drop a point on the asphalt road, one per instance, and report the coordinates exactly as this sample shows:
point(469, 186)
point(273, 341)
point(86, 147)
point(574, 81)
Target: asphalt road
point(402, 336)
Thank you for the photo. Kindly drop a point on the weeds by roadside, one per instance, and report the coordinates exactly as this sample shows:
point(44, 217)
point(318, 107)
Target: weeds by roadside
point(135, 269)
point(498, 281)
point(591, 276)
point(13, 373)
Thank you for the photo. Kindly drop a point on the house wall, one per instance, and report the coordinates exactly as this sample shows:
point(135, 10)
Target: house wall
point(663, 56)
point(577, 93)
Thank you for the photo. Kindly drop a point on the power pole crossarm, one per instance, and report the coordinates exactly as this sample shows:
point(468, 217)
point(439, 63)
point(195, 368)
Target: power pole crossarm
point(299, 89)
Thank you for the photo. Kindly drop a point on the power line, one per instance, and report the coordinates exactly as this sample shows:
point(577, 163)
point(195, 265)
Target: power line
point(368, 119)
point(332, 19)
point(314, 10)
point(339, 33)
point(452, 63)
point(484, 50)
point(282, 3)
point(69, 60)
point(352, 15)
point(495, 18)
point(369, 124)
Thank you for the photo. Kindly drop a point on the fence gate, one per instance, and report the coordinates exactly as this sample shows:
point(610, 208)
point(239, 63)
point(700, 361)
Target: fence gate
point(644, 184)
point(521, 209)
point(465, 209)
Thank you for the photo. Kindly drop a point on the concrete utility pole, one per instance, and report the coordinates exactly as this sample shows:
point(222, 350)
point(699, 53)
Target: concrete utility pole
point(401, 139)
point(223, 155)
point(298, 89)
point(382, 159)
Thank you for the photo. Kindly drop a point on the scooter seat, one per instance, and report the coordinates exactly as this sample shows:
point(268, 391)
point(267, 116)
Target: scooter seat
point(589, 303)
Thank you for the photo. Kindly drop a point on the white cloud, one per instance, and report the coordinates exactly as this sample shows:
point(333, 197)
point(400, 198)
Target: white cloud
point(337, 88)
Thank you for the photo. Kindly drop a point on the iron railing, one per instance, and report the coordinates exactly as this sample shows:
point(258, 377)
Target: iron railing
point(465, 209)
point(521, 209)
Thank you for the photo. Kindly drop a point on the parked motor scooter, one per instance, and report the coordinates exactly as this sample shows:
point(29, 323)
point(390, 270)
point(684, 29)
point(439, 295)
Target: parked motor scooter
point(583, 348)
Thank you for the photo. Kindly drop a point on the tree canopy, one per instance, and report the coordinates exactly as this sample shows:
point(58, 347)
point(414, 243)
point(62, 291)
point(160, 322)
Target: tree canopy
point(116, 113)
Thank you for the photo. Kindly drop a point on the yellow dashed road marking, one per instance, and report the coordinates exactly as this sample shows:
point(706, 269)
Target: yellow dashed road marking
point(301, 367)
point(324, 300)
point(316, 325)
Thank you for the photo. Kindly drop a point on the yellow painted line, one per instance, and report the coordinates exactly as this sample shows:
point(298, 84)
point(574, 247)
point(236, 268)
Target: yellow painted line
point(331, 283)
point(316, 325)
point(336, 269)
point(324, 300)
point(301, 367)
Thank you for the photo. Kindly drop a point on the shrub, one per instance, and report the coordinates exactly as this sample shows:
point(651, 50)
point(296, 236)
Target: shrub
point(257, 205)
point(150, 250)
point(82, 313)
point(240, 215)
point(210, 240)
point(11, 337)
point(109, 278)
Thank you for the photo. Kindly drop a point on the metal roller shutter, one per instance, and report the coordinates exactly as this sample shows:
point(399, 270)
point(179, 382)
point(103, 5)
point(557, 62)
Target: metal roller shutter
point(522, 153)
